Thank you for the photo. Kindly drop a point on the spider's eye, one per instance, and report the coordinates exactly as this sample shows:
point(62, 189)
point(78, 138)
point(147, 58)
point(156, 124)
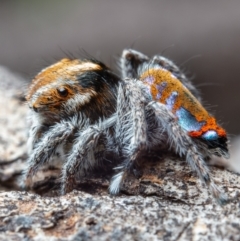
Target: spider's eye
point(63, 92)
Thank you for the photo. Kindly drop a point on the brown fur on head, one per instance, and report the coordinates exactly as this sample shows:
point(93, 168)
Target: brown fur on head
point(70, 86)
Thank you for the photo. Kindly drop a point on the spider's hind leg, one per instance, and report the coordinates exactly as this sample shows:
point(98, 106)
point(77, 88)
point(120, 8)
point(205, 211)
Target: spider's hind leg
point(186, 147)
point(131, 61)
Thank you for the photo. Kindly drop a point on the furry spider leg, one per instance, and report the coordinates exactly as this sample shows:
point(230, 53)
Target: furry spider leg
point(183, 144)
point(185, 147)
point(124, 125)
point(48, 144)
point(130, 62)
point(82, 156)
point(136, 136)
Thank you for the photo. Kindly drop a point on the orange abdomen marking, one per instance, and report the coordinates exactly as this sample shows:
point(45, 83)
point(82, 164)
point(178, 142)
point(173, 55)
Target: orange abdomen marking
point(192, 116)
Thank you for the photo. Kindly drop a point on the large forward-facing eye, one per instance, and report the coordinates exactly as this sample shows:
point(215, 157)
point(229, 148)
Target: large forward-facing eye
point(63, 92)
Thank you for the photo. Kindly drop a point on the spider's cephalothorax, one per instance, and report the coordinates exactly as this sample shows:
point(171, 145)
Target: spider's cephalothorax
point(80, 109)
point(72, 86)
point(65, 99)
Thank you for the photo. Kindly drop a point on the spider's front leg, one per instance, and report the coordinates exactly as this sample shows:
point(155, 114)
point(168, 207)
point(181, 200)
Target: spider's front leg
point(186, 147)
point(82, 157)
point(46, 147)
point(136, 134)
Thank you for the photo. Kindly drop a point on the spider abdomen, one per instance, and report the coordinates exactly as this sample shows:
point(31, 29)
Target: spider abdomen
point(164, 87)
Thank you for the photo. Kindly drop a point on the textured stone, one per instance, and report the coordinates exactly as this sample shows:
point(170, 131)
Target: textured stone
point(13, 133)
point(12, 117)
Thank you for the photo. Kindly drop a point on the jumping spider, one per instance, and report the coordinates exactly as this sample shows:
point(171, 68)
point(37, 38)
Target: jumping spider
point(80, 108)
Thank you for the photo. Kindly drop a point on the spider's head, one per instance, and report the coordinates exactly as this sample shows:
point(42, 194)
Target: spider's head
point(70, 86)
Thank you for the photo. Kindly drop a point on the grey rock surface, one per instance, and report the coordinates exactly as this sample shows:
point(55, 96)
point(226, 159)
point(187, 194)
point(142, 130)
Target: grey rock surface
point(167, 203)
point(13, 116)
point(13, 134)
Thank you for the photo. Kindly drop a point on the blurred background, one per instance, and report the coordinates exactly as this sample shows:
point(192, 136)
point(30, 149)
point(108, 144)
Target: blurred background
point(34, 34)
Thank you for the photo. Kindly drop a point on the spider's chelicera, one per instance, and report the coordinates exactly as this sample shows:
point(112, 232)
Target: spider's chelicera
point(80, 108)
